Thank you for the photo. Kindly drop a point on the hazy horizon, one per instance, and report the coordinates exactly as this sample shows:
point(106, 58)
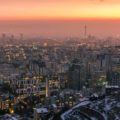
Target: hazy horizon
point(61, 28)
point(54, 18)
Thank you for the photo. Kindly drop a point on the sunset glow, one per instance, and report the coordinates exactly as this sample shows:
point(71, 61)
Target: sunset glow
point(59, 9)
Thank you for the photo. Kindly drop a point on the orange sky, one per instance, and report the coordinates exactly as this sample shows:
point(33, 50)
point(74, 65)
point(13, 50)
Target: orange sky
point(59, 9)
point(60, 17)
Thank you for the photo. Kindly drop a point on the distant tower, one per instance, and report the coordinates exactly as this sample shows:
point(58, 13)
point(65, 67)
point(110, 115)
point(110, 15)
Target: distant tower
point(108, 62)
point(88, 74)
point(108, 66)
point(47, 87)
point(21, 36)
point(12, 37)
point(3, 35)
point(85, 32)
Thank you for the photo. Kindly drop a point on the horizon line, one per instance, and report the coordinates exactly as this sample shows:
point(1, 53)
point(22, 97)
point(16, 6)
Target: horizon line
point(62, 19)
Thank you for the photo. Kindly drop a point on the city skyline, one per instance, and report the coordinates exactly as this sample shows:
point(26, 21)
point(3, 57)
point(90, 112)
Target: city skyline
point(59, 59)
point(61, 28)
